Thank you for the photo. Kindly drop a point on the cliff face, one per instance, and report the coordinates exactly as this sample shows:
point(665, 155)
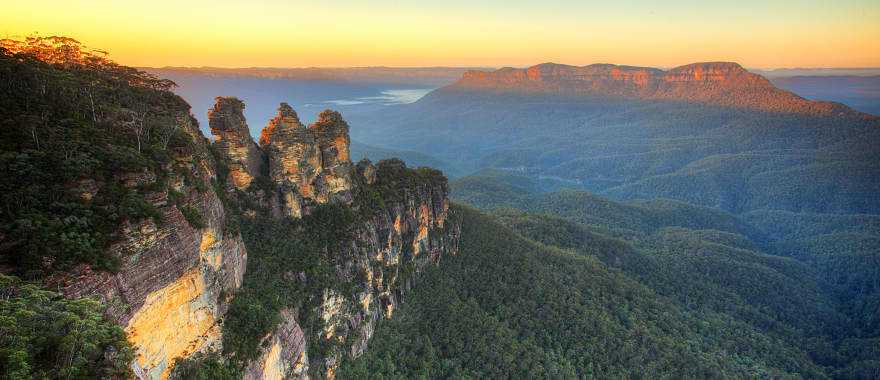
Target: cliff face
point(115, 194)
point(717, 83)
point(381, 262)
point(311, 165)
point(232, 137)
point(176, 276)
point(391, 241)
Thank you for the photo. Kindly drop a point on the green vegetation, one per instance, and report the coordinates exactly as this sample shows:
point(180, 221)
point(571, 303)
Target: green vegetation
point(205, 366)
point(508, 307)
point(192, 216)
point(291, 262)
point(82, 140)
point(803, 280)
point(44, 335)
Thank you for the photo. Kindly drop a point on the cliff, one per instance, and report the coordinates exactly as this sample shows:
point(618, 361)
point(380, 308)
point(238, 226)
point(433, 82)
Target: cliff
point(176, 276)
point(109, 195)
point(387, 223)
point(194, 250)
point(717, 83)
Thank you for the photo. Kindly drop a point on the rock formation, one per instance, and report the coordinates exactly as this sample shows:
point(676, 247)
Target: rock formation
point(309, 164)
point(717, 83)
point(157, 214)
point(175, 278)
point(233, 138)
point(382, 262)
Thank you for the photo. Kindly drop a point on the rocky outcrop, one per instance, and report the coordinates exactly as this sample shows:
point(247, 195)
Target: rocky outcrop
point(391, 241)
point(284, 356)
point(309, 164)
point(176, 277)
point(382, 261)
point(233, 138)
point(717, 83)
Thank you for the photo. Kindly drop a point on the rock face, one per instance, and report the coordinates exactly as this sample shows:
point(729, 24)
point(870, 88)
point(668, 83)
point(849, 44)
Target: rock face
point(175, 278)
point(716, 83)
point(285, 355)
point(389, 245)
point(233, 138)
point(382, 263)
point(310, 164)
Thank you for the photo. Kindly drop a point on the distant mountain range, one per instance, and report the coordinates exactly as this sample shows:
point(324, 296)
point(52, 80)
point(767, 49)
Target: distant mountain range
point(432, 76)
point(712, 134)
point(716, 83)
point(830, 71)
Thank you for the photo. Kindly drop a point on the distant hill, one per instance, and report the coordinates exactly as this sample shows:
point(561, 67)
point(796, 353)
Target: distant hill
point(431, 76)
point(827, 71)
point(716, 83)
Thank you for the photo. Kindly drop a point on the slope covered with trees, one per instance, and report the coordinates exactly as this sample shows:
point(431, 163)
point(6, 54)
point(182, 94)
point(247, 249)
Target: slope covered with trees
point(508, 306)
point(806, 279)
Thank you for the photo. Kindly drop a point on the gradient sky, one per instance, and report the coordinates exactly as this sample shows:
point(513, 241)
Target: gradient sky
point(758, 34)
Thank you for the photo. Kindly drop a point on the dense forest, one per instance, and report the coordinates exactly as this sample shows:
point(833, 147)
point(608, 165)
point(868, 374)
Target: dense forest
point(508, 306)
point(803, 284)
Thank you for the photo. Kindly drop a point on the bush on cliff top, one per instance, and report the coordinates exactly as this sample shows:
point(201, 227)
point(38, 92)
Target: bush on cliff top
point(73, 126)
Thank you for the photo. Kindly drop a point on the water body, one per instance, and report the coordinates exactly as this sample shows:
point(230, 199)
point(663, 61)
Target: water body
point(386, 97)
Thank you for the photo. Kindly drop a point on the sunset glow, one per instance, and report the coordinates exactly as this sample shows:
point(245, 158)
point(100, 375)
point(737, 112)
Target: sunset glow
point(494, 33)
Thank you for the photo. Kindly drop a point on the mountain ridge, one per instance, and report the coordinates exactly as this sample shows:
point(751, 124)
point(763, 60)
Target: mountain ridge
point(717, 83)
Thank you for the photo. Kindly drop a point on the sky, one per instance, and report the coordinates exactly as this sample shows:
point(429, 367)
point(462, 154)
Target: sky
point(273, 33)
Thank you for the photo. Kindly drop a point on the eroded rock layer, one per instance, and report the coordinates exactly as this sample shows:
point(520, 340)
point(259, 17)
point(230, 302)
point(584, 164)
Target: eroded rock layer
point(176, 276)
point(380, 262)
point(394, 238)
point(233, 138)
point(309, 164)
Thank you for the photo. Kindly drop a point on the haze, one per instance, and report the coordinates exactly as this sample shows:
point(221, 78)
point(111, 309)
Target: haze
point(221, 33)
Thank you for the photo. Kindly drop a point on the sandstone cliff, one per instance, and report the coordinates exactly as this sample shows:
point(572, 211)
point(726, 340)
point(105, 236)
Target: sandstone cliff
point(402, 225)
point(233, 138)
point(311, 165)
point(716, 83)
point(380, 262)
point(112, 192)
point(171, 291)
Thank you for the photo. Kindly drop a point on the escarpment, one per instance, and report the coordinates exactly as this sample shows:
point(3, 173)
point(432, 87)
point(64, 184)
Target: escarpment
point(359, 233)
point(715, 83)
point(178, 270)
point(276, 261)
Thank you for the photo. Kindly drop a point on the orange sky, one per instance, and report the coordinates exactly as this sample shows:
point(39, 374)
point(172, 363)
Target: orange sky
point(758, 34)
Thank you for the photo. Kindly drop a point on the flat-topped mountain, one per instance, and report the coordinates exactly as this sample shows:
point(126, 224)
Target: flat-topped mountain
point(716, 83)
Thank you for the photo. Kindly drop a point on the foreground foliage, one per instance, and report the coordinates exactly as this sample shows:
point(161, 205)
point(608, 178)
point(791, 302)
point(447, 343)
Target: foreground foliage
point(44, 335)
point(74, 127)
